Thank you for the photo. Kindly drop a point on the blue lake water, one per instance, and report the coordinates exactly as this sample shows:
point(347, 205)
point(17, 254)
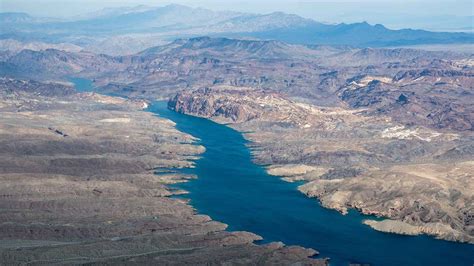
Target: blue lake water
point(82, 84)
point(232, 189)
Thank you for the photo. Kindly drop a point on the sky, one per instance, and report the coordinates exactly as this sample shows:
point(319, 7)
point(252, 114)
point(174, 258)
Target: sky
point(428, 14)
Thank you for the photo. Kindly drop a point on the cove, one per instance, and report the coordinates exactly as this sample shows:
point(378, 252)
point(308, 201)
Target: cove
point(232, 189)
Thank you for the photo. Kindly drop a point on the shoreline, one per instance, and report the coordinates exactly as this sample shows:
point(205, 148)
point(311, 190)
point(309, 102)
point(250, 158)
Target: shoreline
point(312, 254)
point(295, 173)
point(304, 254)
point(432, 230)
point(352, 214)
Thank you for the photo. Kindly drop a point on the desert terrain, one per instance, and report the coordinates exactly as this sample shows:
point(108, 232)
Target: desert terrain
point(388, 132)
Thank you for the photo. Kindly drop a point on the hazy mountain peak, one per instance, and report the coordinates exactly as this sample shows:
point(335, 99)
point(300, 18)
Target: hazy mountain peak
point(15, 17)
point(153, 25)
point(176, 7)
point(233, 48)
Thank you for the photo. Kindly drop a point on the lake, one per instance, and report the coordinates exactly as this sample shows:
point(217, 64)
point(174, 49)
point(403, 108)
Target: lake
point(232, 189)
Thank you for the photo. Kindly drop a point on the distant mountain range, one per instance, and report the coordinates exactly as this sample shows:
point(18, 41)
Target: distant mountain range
point(104, 31)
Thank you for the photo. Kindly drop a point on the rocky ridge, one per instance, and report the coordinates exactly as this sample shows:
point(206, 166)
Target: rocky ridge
point(431, 89)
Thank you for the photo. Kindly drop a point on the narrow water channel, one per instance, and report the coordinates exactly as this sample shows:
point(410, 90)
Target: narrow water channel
point(232, 189)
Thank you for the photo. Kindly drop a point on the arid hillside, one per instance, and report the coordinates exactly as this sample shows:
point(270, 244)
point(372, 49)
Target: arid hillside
point(432, 89)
